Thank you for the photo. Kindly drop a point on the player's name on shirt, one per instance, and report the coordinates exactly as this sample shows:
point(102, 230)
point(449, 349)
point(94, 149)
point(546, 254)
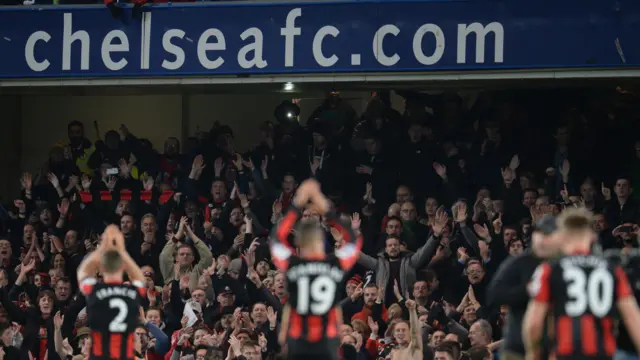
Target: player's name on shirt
point(583, 261)
point(315, 268)
point(115, 290)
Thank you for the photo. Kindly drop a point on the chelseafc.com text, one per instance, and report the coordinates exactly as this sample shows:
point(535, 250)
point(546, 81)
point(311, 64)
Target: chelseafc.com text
point(118, 50)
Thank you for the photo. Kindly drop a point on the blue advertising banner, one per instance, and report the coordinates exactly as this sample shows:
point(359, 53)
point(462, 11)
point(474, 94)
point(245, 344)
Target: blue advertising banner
point(361, 36)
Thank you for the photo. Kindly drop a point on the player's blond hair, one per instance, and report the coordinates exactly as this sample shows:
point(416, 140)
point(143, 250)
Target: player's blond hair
point(308, 232)
point(575, 221)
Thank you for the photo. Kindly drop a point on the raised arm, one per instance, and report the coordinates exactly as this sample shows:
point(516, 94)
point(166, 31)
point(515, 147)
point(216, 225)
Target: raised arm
point(416, 339)
point(422, 257)
point(280, 248)
point(206, 258)
point(349, 252)
point(89, 266)
point(533, 322)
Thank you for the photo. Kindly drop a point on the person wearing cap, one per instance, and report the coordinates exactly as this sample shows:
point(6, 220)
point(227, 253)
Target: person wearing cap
point(226, 297)
point(82, 334)
point(353, 303)
point(509, 284)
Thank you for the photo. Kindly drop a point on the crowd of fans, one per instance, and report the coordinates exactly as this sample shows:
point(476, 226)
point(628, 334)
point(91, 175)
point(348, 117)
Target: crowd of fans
point(474, 174)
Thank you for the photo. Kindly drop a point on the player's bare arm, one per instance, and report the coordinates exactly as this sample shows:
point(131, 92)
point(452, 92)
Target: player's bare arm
point(532, 325)
point(132, 269)
point(628, 307)
point(304, 193)
point(284, 328)
point(91, 264)
point(630, 314)
point(129, 265)
point(534, 317)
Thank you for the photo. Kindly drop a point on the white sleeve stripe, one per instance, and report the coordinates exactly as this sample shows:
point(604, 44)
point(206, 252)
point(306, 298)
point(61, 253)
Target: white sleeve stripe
point(137, 283)
point(346, 251)
point(280, 251)
point(89, 281)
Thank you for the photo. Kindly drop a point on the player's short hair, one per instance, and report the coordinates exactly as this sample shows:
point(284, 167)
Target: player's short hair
point(308, 232)
point(111, 262)
point(575, 220)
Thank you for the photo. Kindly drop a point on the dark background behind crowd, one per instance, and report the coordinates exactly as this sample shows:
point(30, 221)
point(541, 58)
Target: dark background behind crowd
point(441, 193)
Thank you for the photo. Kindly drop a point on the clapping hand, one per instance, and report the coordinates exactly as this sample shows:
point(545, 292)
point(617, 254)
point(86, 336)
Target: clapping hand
point(482, 231)
point(373, 325)
point(58, 319)
point(272, 316)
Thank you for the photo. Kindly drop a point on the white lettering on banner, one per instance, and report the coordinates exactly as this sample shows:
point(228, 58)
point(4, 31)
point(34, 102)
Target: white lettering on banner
point(68, 38)
point(174, 50)
point(204, 45)
point(417, 44)
point(108, 47)
point(481, 31)
point(317, 46)
point(29, 51)
point(256, 46)
point(378, 49)
point(116, 47)
point(289, 31)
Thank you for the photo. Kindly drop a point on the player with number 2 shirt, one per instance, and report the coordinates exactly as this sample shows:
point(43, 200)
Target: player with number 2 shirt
point(113, 308)
point(584, 293)
point(312, 317)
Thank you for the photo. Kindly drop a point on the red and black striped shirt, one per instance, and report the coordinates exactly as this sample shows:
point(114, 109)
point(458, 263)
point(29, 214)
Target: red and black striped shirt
point(582, 291)
point(113, 313)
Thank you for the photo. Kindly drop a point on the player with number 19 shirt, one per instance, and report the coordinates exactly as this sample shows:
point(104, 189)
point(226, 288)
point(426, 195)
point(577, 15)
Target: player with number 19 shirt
point(583, 292)
point(312, 314)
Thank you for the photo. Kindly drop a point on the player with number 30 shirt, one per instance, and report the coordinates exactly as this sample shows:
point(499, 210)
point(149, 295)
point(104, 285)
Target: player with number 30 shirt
point(312, 316)
point(584, 293)
point(112, 306)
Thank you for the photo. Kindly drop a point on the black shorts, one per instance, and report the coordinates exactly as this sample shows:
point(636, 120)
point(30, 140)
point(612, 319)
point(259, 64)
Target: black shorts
point(326, 356)
point(327, 349)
